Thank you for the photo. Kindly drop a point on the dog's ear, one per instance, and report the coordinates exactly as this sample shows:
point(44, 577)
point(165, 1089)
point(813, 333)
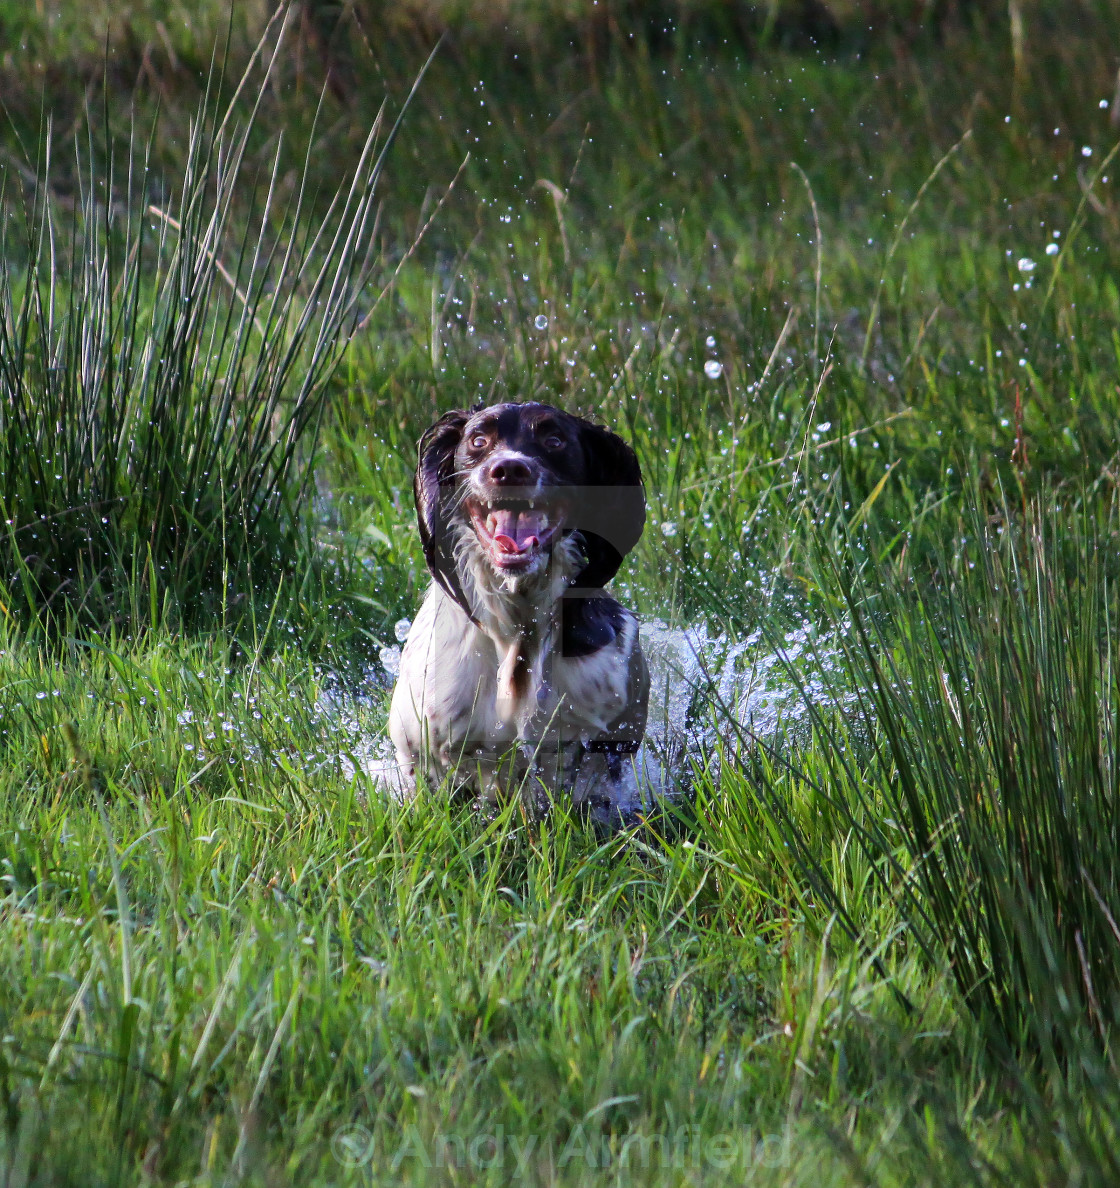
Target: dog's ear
point(612, 512)
point(434, 489)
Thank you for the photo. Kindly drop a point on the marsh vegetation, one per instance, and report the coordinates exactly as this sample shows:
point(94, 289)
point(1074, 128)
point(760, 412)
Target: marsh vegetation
point(849, 286)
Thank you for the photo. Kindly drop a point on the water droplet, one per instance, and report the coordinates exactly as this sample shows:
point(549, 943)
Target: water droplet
point(1026, 264)
point(710, 342)
point(713, 369)
point(1086, 150)
point(1051, 249)
point(669, 528)
point(541, 322)
point(401, 629)
point(390, 660)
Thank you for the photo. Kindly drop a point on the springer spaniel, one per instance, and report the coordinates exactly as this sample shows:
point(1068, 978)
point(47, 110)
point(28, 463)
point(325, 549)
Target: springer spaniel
point(520, 673)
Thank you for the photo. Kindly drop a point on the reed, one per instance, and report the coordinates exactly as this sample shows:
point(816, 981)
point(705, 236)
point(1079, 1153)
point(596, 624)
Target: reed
point(164, 370)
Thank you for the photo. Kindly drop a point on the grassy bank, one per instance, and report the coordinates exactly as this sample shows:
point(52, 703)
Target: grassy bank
point(855, 304)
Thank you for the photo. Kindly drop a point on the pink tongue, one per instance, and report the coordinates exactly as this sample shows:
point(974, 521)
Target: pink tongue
point(516, 532)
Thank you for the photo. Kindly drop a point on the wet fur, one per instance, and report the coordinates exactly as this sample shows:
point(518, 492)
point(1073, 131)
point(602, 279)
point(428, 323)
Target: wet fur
point(543, 684)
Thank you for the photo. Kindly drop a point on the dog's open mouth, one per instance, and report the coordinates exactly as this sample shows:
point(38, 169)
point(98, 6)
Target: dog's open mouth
point(515, 532)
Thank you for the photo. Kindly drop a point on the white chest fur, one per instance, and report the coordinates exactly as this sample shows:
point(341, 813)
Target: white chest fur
point(467, 694)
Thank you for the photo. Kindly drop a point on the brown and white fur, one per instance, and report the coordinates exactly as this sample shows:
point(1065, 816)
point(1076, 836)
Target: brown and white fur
point(520, 673)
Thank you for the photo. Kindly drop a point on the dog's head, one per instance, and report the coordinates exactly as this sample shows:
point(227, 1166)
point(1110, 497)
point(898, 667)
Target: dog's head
point(514, 482)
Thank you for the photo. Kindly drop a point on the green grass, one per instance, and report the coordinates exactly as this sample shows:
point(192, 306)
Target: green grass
point(162, 408)
point(175, 888)
point(880, 946)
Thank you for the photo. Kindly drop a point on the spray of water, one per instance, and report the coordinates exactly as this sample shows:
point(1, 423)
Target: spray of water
point(768, 685)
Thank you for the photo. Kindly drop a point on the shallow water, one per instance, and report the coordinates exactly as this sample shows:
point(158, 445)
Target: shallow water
point(767, 686)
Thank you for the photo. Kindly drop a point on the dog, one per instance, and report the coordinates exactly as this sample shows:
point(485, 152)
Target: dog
point(520, 673)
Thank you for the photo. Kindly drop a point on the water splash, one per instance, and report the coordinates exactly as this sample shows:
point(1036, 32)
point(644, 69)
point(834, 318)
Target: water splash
point(768, 685)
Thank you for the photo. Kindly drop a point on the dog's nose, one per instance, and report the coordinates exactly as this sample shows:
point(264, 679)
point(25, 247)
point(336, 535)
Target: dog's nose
point(509, 472)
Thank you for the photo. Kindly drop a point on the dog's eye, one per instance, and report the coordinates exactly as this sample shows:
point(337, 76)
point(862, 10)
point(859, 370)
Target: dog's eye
point(478, 441)
point(553, 442)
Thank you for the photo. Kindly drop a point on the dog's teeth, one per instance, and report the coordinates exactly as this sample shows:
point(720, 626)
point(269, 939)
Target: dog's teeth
point(532, 504)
